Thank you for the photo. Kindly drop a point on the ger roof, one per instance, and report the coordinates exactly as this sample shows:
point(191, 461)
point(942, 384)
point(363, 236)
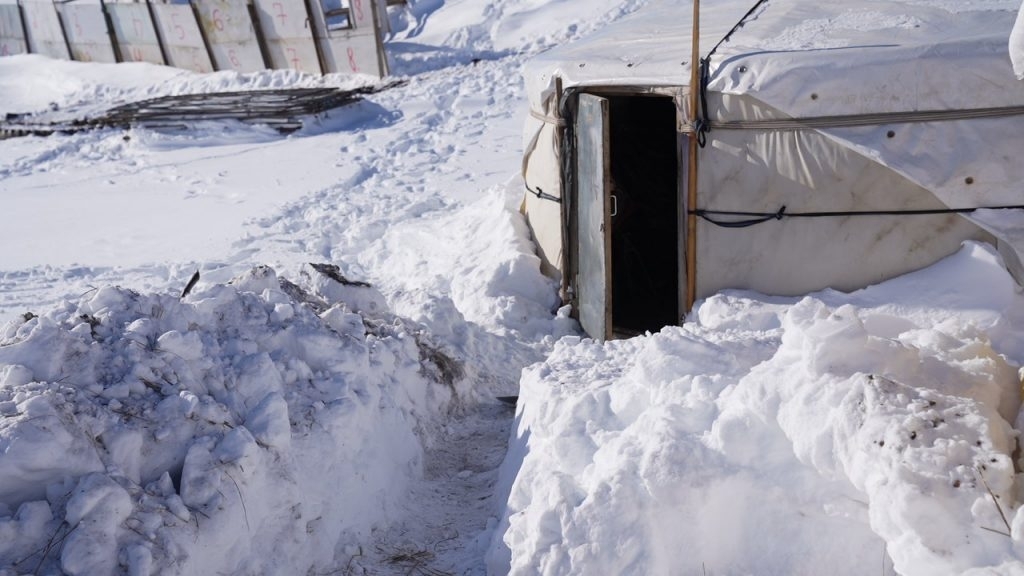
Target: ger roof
point(870, 55)
point(930, 69)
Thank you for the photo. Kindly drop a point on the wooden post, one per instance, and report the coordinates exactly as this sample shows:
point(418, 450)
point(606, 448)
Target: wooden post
point(114, 44)
point(160, 40)
point(311, 23)
point(691, 169)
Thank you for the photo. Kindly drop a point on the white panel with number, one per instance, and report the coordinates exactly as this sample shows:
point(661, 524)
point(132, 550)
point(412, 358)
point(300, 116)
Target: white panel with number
point(288, 34)
point(352, 44)
point(43, 29)
point(86, 29)
point(12, 34)
point(136, 35)
point(230, 32)
point(183, 43)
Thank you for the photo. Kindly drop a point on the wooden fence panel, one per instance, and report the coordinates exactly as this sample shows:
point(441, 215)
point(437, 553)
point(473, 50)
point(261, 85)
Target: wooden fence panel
point(182, 39)
point(43, 29)
point(230, 35)
point(85, 27)
point(288, 32)
point(135, 33)
point(12, 31)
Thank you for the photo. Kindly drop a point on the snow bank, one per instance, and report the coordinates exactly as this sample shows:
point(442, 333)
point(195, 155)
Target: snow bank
point(258, 427)
point(831, 434)
point(476, 284)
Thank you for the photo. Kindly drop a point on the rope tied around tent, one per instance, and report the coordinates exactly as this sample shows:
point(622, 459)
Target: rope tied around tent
point(541, 194)
point(702, 125)
point(759, 217)
point(754, 218)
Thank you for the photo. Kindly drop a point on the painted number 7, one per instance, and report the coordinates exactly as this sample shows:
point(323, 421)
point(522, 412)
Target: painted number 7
point(280, 12)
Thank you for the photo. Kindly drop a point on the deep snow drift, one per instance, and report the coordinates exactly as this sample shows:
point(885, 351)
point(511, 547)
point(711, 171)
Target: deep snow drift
point(280, 420)
point(824, 434)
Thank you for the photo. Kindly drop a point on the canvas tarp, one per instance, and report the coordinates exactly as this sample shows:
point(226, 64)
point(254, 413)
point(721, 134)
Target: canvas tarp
point(797, 60)
point(1017, 45)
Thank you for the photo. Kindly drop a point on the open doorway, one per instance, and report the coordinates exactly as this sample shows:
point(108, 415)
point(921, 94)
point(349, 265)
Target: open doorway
point(644, 213)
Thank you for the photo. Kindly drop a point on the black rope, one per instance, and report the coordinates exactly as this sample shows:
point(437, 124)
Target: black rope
point(754, 218)
point(540, 193)
point(760, 217)
point(702, 125)
point(735, 28)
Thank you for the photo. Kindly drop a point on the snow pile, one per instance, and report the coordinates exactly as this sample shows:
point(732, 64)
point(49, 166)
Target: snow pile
point(476, 284)
point(828, 434)
point(257, 427)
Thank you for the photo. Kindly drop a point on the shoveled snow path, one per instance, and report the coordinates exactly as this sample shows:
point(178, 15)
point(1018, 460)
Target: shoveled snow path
point(452, 511)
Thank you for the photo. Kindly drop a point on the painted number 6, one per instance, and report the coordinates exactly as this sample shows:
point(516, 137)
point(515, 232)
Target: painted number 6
point(218, 22)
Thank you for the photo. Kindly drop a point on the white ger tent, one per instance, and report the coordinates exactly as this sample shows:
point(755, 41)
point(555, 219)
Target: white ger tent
point(846, 143)
point(1017, 45)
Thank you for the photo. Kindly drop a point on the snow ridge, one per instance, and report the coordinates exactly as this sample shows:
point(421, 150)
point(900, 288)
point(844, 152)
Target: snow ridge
point(251, 427)
point(780, 436)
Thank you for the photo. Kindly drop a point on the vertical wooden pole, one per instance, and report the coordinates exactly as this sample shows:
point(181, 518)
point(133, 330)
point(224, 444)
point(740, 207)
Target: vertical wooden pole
point(115, 45)
point(160, 40)
point(24, 26)
point(314, 26)
point(691, 168)
point(261, 38)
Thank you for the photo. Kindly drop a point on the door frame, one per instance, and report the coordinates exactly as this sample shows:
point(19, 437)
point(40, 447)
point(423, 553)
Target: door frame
point(570, 109)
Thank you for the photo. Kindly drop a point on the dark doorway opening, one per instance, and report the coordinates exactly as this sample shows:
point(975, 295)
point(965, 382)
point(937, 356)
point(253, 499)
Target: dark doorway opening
point(645, 213)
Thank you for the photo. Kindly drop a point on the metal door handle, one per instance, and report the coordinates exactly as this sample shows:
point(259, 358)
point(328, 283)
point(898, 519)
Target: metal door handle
point(615, 205)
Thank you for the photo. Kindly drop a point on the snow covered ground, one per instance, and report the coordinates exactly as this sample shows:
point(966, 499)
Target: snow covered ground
point(286, 418)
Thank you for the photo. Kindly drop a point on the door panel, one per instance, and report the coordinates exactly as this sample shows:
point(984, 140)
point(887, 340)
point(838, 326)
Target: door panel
point(593, 222)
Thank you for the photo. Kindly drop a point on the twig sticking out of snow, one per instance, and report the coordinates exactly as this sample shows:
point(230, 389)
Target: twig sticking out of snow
point(417, 562)
point(241, 498)
point(191, 284)
point(45, 551)
point(998, 507)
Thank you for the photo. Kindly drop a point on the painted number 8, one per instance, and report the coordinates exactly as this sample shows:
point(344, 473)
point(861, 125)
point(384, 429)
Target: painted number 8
point(352, 59)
